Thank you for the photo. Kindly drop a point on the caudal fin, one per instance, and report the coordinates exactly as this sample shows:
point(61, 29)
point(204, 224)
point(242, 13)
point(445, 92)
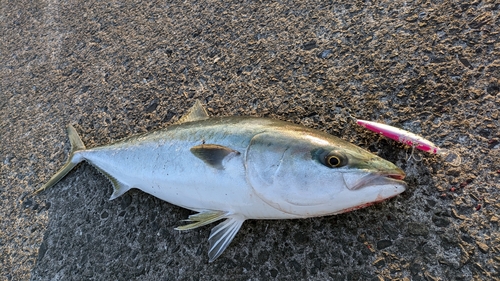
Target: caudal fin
point(76, 145)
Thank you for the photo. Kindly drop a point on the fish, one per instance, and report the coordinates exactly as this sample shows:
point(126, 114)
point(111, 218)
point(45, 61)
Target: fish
point(239, 168)
point(410, 139)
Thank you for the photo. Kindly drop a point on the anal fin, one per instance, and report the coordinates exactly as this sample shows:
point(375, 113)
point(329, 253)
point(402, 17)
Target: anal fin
point(119, 188)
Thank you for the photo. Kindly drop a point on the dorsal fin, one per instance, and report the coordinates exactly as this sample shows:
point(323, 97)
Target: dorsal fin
point(195, 113)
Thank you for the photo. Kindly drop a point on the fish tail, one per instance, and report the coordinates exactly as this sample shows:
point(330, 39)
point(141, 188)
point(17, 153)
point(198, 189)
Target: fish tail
point(73, 159)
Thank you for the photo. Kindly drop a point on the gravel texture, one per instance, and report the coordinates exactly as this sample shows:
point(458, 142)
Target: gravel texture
point(117, 68)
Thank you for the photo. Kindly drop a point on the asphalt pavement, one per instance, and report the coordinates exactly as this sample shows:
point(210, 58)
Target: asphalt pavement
point(113, 69)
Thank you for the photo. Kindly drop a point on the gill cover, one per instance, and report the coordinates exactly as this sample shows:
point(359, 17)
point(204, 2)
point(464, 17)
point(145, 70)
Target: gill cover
point(283, 172)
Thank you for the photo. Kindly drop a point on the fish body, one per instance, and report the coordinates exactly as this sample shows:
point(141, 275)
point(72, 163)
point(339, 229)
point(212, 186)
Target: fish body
point(239, 168)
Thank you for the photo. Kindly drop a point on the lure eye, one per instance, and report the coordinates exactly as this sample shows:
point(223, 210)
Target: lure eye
point(334, 160)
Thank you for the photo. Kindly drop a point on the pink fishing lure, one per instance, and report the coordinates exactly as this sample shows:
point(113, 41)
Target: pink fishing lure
point(401, 136)
point(412, 140)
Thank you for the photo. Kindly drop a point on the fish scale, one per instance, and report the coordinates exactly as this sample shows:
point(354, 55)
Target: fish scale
point(239, 168)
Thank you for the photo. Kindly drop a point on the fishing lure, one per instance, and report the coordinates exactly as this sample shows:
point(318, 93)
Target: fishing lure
point(410, 139)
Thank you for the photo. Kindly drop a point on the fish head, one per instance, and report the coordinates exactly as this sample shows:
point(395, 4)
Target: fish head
point(309, 173)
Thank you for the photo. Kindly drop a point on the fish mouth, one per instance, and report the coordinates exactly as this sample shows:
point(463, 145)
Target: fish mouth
point(373, 179)
point(396, 176)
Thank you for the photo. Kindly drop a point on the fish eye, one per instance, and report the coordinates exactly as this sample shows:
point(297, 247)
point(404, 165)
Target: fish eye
point(334, 160)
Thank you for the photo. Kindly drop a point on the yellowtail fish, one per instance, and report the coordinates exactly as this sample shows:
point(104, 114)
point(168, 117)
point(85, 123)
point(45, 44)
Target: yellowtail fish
point(239, 168)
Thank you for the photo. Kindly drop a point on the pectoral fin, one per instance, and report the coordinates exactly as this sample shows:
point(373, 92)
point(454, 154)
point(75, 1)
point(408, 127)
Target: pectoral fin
point(213, 154)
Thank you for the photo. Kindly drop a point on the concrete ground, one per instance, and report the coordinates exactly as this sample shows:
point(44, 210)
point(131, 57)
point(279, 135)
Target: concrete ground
point(117, 68)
